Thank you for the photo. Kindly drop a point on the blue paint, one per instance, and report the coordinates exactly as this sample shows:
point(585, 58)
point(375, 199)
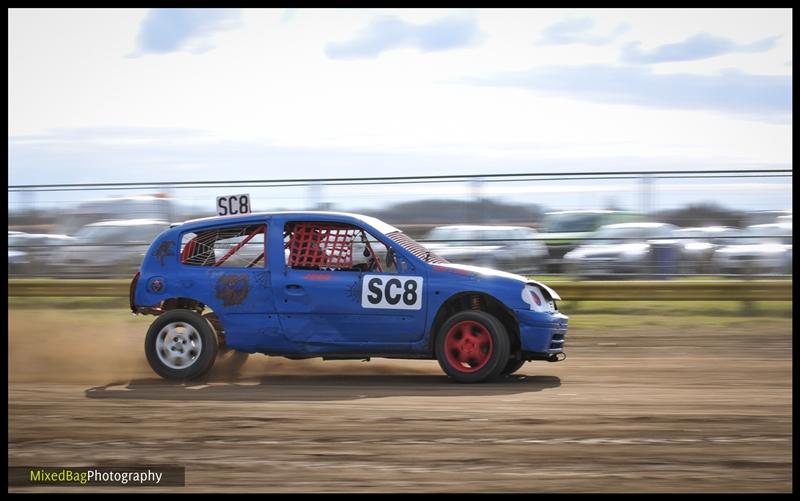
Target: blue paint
point(277, 310)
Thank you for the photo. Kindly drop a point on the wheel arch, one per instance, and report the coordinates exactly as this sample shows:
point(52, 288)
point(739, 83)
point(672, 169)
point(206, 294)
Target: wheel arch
point(475, 300)
point(190, 304)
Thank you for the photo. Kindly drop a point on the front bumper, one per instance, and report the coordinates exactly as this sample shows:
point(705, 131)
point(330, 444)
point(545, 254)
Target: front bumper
point(542, 332)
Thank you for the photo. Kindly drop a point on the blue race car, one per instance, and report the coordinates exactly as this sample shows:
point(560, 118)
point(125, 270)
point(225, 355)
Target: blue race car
point(336, 286)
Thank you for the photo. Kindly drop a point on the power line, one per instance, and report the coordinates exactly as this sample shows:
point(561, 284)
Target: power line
point(351, 181)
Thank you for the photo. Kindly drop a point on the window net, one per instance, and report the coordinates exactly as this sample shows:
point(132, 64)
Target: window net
point(321, 245)
point(238, 247)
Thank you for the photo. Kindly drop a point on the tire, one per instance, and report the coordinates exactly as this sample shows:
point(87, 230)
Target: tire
point(512, 366)
point(181, 345)
point(229, 362)
point(485, 353)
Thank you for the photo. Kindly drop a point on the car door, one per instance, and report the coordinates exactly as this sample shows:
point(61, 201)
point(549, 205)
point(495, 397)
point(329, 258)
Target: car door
point(330, 292)
point(227, 262)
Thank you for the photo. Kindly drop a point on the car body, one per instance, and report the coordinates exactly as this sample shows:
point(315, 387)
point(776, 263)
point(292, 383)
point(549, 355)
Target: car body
point(508, 248)
point(563, 231)
point(758, 249)
point(31, 253)
point(767, 217)
point(697, 246)
point(626, 249)
point(337, 286)
point(107, 248)
point(158, 206)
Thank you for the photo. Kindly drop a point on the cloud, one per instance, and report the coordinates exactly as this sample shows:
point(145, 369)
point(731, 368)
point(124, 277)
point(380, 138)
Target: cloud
point(110, 135)
point(762, 97)
point(700, 46)
point(388, 32)
point(578, 31)
point(173, 30)
point(287, 15)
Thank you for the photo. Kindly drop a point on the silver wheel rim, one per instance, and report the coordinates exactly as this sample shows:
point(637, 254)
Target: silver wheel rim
point(178, 345)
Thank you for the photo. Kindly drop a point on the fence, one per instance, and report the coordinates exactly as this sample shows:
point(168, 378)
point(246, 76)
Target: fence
point(536, 239)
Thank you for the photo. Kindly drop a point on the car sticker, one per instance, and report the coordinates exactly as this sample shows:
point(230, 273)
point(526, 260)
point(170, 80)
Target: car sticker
point(391, 292)
point(164, 250)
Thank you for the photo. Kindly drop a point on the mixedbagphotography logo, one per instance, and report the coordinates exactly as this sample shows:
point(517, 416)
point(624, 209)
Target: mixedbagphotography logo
point(76, 476)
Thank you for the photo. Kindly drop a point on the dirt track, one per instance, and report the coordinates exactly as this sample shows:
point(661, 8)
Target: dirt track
point(639, 410)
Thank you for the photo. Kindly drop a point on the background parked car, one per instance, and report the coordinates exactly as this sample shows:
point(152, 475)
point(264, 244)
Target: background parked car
point(31, 253)
point(697, 246)
point(633, 249)
point(509, 248)
point(761, 248)
point(563, 231)
point(108, 248)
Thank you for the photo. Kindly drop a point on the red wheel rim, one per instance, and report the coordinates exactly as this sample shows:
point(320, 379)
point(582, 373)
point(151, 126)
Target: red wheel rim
point(468, 346)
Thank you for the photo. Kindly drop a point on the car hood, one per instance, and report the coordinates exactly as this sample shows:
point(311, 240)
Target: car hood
point(564, 235)
point(440, 248)
point(588, 251)
point(497, 273)
point(754, 249)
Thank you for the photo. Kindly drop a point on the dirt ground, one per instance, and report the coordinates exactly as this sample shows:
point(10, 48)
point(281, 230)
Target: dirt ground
point(638, 409)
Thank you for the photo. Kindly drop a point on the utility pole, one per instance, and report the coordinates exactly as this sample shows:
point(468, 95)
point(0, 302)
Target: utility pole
point(477, 199)
point(647, 195)
point(314, 196)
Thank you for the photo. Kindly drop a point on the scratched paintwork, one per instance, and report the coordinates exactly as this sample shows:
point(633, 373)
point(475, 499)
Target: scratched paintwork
point(277, 310)
point(164, 250)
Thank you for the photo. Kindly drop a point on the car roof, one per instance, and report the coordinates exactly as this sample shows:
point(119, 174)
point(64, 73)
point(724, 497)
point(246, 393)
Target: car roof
point(320, 215)
point(586, 211)
point(46, 235)
point(472, 227)
point(638, 225)
point(778, 226)
point(130, 222)
point(707, 229)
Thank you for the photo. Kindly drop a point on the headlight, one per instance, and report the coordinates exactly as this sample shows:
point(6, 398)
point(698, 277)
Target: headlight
point(537, 300)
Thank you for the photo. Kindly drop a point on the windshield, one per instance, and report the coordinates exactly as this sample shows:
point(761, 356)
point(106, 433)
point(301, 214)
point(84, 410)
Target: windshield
point(415, 248)
point(448, 234)
point(503, 234)
point(609, 235)
point(568, 223)
point(479, 234)
point(711, 235)
point(117, 234)
point(766, 235)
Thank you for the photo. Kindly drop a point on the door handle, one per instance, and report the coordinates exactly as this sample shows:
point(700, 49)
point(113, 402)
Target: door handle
point(295, 290)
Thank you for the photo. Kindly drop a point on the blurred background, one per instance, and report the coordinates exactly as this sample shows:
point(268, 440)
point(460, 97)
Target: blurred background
point(639, 159)
point(577, 142)
point(607, 225)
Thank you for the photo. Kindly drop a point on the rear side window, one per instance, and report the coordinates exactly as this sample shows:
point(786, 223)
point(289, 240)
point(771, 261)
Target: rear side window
point(230, 247)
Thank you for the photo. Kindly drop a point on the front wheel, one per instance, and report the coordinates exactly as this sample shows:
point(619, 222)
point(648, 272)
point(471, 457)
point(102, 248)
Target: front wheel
point(181, 345)
point(512, 366)
point(472, 346)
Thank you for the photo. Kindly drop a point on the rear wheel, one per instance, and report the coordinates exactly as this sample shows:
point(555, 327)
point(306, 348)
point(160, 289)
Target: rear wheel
point(472, 346)
point(180, 345)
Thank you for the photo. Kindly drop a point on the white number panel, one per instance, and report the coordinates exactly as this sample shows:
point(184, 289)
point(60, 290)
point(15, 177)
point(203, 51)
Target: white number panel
point(391, 292)
point(232, 205)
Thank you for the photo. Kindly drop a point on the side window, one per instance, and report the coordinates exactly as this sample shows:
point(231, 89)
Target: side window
point(230, 247)
point(317, 245)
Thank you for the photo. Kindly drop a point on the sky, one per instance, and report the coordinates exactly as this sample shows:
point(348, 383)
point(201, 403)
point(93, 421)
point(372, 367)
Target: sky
point(199, 94)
